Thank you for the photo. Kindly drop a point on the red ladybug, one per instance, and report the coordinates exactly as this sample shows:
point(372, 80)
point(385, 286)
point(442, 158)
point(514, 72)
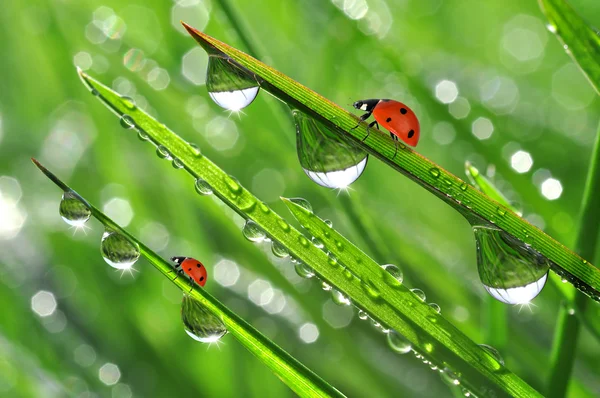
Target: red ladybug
point(396, 117)
point(192, 267)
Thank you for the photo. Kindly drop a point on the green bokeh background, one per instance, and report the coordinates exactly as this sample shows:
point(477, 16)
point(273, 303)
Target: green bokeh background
point(508, 67)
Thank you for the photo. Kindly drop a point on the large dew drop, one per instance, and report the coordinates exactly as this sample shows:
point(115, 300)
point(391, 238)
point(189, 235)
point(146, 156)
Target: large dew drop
point(398, 343)
point(73, 210)
point(199, 323)
point(510, 270)
point(229, 85)
point(118, 251)
point(327, 157)
point(253, 232)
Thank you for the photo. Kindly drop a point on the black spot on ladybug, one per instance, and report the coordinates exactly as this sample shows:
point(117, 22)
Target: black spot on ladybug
point(198, 265)
point(411, 133)
point(189, 269)
point(389, 119)
point(403, 111)
point(201, 278)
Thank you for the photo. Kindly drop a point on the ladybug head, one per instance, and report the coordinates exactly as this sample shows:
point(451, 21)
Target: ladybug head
point(177, 260)
point(366, 105)
point(359, 105)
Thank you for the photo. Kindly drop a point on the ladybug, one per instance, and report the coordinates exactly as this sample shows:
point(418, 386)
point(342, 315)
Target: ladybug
point(396, 117)
point(192, 268)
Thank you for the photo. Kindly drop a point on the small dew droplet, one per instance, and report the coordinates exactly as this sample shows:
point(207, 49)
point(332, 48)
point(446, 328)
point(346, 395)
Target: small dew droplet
point(127, 122)
point(118, 251)
point(233, 185)
point(435, 172)
point(339, 298)
point(363, 316)
point(371, 290)
point(142, 135)
point(195, 150)
point(303, 241)
point(419, 293)
point(303, 270)
point(464, 186)
point(163, 152)
point(392, 275)
point(283, 225)
point(493, 352)
point(318, 243)
point(128, 102)
point(398, 343)
point(73, 211)
point(501, 212)
point(305, 204)
point(177, 163)
point(326, 286)
point(279, 250)
point(202, 187)
point(332, 259)
point(253, 232)
point(199, 323)
point(329, 223)
point(436, 307)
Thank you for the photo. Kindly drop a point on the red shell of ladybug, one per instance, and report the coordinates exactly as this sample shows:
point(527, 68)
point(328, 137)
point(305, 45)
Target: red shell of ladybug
point(394, 116)
point(193, 268)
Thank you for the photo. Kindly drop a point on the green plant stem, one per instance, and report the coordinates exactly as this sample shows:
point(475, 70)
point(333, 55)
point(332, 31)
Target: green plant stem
point(568, 325)
point(299, 378)
point(416, 167)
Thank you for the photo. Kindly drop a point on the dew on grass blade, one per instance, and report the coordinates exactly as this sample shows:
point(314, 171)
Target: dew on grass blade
point(73, 210)
point(305, 204)
point(327, 157)
point(398, 343)
point(303, 270)
point(229, 85)
point(419, 293)
point(253, 232)
point(510, 270)
point(127, 122)
point(118, 251)
point(202, 187)
point(392, 275)
point(362, 315)
point(199, 323)
point(494, 353)
point(339, 298)
point(279, 250)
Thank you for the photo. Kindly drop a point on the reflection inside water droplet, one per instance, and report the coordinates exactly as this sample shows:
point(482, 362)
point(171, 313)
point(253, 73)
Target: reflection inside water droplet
point(253, 232)
point(229, 85)
point(200, 324)
point(73, 211)
point(339, 298)
point(419, 293)
point(305, 204)
point(279, 250)
point(118, 251)
point(510, 270)
point(326, 156)
point(303, 270)
point(398, 343)
point(127, 122)
point(202, 187)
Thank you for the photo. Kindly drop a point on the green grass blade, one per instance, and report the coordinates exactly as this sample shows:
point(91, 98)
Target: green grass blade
point(419, 322)
point(299, 378)
point(441, 342)
point(421, 170)
point(580, 40)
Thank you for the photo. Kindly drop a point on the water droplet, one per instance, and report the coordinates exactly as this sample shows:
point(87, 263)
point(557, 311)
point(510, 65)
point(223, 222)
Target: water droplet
point(305, 204)
point(202, 187)
point(326, 286)
point(332, 259)
point(177, 163)
point(511, 271)
point(419, 293)
point(464, 186)
point(195, 149)
point(264, 208)
point(398, 343)
point(199, 323)
point(450, 378)
point(142, 135)
point(253, 232)
point(230, 85)
point(95, 92)
point(348, 274)
point(283, 225)
point(127, 122)
point(318, 243)
point(371, 290)
point(128, 102)
point(233, 185)
point(339, 298)
point(303, 241)
point(493, 352)
point(73, 211)
point(303, 270)
point(118, 251)
point(571, 311)
point(363, 316)
point(428, 347)
point(436, 307)
point(501, 212)
point(392, 275)
point(279, 250)
point(465, 392)
point(435, 172)
point(163, 152)
point(328, 157)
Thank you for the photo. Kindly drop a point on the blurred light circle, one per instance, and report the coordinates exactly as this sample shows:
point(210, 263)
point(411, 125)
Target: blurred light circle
point(158, 79)
point(459, 108)
point(571, 89)
point(134, 59)
point(444, 133)
point(119, 210)
point(196, 14)
point(83, 60)
point(446, 91)
point(221, 133)
point(109, 374)
point(337, 316)
point(482, 128)
point(226, 273)
point(551, 189)
point(43, 303)
point(155, 236)
point(85, 355)
point(268, 184)
point(194, 64)
point(260, 292)
point(521, 161)
point(308, 333)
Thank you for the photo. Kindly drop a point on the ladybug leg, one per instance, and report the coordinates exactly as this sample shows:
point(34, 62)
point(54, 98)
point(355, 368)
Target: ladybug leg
point(395, 142)
point(362, 119)
point(369, 129)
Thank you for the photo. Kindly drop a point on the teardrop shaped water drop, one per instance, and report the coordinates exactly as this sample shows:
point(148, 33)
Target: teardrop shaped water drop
point(127, 122)
point(303, 270)
point(253, 232)
point(305, 204)
point(202, 187)
point(419, 293)
point(199, 323)
point(510, 270)
point(230, 85)
point(195, 149)
point(326, 156)
point(73, 211)
point(493, 352)
point(392, 275)
point(177, 163)
point(398, 343)
point(118, 251)
point(128, 102)
point(329, 223)
point(339, 298)
point(279, 250)
point(317, 242)
point(163, 152)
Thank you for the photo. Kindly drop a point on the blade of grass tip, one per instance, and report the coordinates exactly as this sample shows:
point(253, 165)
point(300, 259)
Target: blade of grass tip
point(581, 42)
point(419, 169)
point(567, 326)
point(299, 378)
point(430, 334)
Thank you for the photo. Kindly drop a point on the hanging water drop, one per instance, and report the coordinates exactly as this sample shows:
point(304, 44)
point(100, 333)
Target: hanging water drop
point(177, 163)
point(127, 122)
point(436, 307)
point(128, 102)
point(318, 243)
point(253, 232)
point(392, 275)
point(362, 315)
point(419, 293)
point(118, 251)
point(199, 323)
point(326, 286)
point(202, 187)
point(305, 204)
point(450, 378)
point(230, 85)
point(163, 152)
point(195, 149)
point(326, 156)
point(142, 135)
point(339, 298)
point(279, 250)
point(303, 270)
point(511, 271)
point(73, 211)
